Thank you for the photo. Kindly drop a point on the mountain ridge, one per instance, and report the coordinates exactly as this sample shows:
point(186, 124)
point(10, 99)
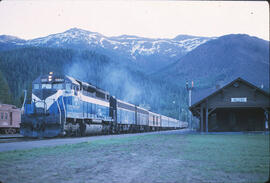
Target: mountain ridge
point(220, 61)
point(146, 52)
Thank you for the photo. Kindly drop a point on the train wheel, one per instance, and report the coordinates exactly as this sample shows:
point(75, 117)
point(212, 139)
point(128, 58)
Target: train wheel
point(9, 131)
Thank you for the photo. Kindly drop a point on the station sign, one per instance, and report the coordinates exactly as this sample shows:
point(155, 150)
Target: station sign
point(244, 99)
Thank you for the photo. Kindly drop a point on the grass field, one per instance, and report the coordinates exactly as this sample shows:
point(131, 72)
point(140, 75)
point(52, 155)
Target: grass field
point(160, 158)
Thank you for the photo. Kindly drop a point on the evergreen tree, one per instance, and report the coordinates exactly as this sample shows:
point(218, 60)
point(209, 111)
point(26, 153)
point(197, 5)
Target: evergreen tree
point(5, 96)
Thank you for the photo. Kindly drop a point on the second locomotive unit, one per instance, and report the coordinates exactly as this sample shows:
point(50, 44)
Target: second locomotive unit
point(62, 105)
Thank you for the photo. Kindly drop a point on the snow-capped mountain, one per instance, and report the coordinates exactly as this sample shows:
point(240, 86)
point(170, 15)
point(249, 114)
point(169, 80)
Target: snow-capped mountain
point(131, 45)
point(152, 54)
point(11, 39)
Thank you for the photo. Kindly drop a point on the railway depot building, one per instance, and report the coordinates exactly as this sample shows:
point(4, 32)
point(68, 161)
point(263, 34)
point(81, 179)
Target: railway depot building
point(238, 106)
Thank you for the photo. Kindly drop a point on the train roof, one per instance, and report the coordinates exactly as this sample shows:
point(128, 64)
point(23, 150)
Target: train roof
point(87, 85)
point(55, 78)
point(151, 112)
point(142, 108)
point(74, 81)
point(68, 79)
point(4, 107)
point(121, 101)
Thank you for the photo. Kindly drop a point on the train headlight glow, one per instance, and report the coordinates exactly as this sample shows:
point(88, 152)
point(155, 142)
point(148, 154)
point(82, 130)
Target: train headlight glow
point(50, 78)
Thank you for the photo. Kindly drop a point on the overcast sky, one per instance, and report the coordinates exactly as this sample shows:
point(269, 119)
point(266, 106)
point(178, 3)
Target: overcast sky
point(154, 19)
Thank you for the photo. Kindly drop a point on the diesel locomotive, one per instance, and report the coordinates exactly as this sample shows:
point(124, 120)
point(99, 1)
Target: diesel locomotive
point(64, 106)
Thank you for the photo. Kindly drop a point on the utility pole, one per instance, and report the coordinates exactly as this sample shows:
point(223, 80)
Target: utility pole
point(189, 89)
point(179, 109)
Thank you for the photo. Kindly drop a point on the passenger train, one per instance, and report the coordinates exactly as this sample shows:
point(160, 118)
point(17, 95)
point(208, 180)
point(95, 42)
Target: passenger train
point(64, 106)
point(10, 119)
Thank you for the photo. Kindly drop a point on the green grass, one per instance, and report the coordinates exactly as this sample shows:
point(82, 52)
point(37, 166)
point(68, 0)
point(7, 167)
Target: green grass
point(203, 156)
point(70, 148)
point(247, 153)
point(242, 153)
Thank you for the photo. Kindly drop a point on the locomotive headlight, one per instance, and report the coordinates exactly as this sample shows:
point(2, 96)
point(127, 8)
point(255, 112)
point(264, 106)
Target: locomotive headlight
point(50, 73)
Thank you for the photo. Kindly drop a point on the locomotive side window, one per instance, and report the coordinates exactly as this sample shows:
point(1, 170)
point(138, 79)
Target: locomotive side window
point(74, 87)
point(68, 86)
point(36, 86)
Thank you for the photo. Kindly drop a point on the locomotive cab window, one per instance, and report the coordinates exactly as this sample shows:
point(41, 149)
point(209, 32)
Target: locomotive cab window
point(36, 86)
point(46, 86)
point(58, 86)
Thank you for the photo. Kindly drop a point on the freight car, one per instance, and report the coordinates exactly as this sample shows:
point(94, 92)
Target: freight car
point(62, 105)
point(10, 119)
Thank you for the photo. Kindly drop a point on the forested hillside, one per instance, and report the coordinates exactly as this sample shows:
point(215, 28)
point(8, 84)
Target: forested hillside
point(220, 61)
point(21, 66)
point(5, 94)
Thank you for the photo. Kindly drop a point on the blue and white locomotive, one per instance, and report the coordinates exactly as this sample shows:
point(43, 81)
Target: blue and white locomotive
point(62, 105)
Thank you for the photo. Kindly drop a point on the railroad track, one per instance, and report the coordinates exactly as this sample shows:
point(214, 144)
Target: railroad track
point(14, 138)
point(20, 138)
point(11, 136)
